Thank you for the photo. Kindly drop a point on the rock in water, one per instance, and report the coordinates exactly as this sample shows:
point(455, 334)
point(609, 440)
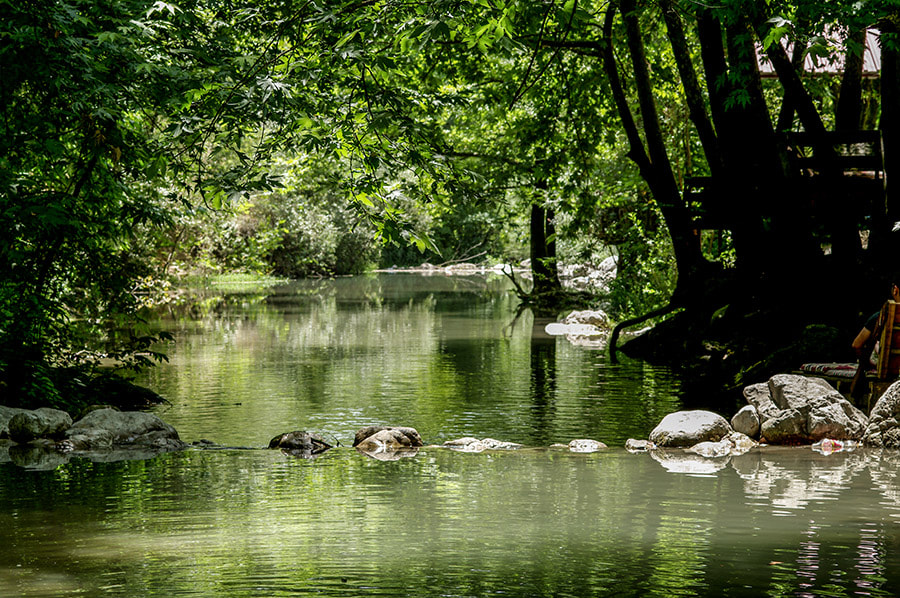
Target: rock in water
point(298, 440)
point(401, 436)
point(687, 428)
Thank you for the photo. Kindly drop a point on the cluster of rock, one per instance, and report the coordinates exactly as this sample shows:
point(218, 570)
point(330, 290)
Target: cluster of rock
point(786, 410)
point(463, 268)
point(583, 277)
point(46, 437)
point(587, 277)
point(390, 443)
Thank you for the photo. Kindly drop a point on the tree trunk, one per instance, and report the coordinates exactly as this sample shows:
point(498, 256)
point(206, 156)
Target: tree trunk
point(786, 114)
point(658, 173)
point(848, 112)
point(543, 253)
point(692, 93)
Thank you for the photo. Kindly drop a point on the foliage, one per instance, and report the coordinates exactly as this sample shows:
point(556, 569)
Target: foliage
point(92, 97)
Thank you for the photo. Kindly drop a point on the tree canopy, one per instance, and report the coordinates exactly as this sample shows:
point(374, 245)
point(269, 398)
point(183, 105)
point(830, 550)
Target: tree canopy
point(117, 113)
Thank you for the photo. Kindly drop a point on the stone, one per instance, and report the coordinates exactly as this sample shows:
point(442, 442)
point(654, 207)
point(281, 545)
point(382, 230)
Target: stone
point(760, 397)
point(6, 414)
point(499, 445)
point(801, 410)
point(299, 441)
point(586, 445)
point(746, 421)
point(41, 423)
point(883, 429)
point(386, 440)
point(712, 449)
point(687, 428)
point(108, 428)
point(633, 445)
point(735, 443)
point(741, 443)
point(411, 434)
point(786, 427)
point(789, 391)
point(469, 444)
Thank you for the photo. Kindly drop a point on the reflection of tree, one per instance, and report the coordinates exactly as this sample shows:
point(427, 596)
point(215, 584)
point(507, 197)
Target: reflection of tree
point(543, 385)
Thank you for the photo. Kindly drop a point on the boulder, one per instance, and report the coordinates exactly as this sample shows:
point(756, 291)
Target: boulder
point(799, 410)
point(760, 398)
point(883, 429)
point(106, 429)
point(687, 428)
point(6, 414)
point(300, 442)
point(746, 421)
point(45, 422)
point(398, 436)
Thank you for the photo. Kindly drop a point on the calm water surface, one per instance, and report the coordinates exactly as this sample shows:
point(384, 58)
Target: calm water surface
point(447, 356)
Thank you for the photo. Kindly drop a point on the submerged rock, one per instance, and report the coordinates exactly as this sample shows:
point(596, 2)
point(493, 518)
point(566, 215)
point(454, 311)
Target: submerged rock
point(687, 428)
point(300, 443)
point(41, 456)
point(633, 445)
point(387, 437)
point(468, 444)
point(733, 444)
point(379, 454)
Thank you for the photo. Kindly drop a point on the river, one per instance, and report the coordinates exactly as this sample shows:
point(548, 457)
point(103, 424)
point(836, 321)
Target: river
point(450, 357)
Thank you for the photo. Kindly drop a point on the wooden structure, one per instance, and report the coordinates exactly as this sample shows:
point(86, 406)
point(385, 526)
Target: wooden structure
point(887, 366)
point(838, 174)
point(887, 360)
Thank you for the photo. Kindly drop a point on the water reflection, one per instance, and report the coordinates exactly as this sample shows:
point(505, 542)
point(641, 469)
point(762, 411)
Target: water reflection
point(440, 523)
point(446, 355)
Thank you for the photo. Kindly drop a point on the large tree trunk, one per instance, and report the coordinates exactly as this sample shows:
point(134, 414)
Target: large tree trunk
point(654, 161)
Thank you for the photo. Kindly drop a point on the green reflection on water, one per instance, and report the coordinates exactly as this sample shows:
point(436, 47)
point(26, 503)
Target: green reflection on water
point(446, 355)
point(527, 523)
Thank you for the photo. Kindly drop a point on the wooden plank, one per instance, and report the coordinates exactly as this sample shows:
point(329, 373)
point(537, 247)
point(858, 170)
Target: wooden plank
point(888, 366)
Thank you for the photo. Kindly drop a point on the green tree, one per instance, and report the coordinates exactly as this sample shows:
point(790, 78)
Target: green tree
point(97, 101)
